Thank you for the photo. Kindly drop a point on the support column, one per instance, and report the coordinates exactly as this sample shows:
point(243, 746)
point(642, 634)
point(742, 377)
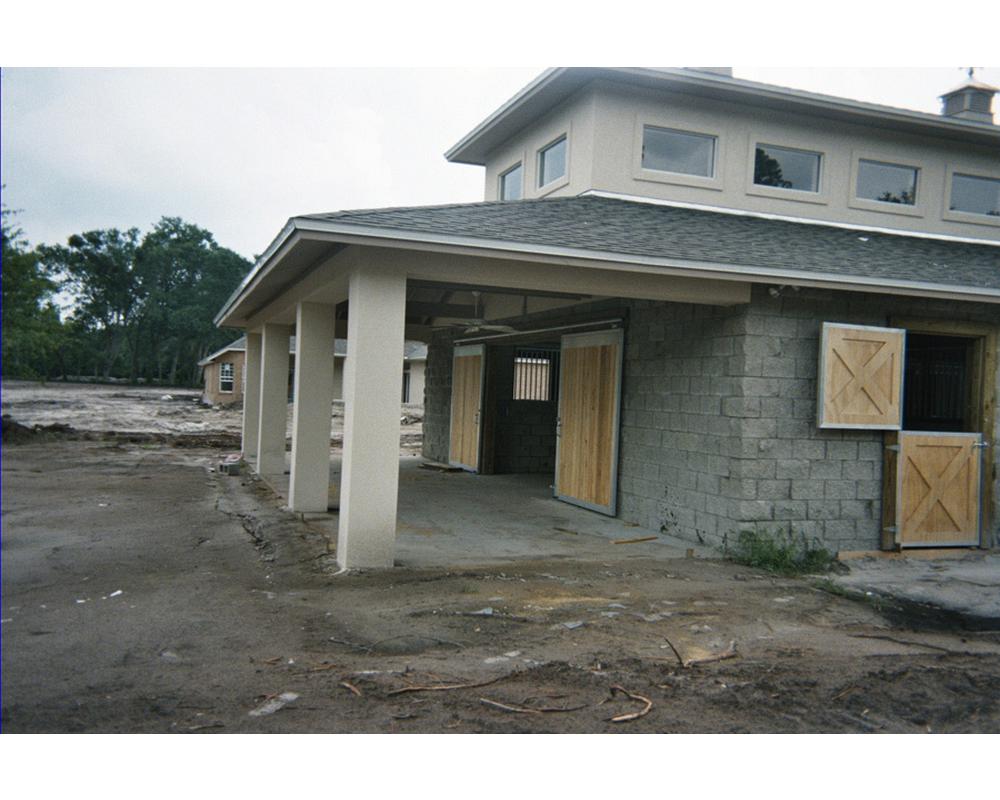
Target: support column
point(251, 396)
point(369, 484)
point(273, 408)
point(309, 487)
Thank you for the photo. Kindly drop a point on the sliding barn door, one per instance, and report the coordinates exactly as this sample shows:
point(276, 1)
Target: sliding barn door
point(466, 406)
point(587, 445)
point(936, 480)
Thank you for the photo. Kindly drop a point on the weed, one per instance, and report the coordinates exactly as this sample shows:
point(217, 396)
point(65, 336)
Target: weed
point(781, 552)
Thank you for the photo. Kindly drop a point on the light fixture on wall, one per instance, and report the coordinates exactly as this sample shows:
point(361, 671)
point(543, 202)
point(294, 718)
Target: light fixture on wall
point(777, 291)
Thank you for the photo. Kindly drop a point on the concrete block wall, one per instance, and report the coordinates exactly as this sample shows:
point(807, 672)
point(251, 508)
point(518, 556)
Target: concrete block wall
point(526, 438)
point(680, 419)
point(826, 484)
point(437, 397)
point(718, 430)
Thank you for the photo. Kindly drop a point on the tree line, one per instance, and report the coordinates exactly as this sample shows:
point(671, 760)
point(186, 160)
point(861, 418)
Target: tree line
point(140, 306)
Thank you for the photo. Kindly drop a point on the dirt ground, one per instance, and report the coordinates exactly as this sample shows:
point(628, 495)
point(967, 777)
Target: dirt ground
point(156, 410)
point(144, 592)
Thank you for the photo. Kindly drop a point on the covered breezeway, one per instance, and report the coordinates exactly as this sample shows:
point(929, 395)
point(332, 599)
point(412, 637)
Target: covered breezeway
point(323, 280)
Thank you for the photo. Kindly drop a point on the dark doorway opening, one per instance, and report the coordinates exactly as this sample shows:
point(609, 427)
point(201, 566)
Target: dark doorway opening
point(938, 384)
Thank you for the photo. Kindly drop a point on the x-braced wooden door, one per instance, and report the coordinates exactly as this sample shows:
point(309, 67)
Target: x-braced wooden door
point(587, 429)
point(466, 406)
point(933, 489)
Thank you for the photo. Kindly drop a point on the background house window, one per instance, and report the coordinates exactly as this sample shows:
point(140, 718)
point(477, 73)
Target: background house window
point(552, 162)
point(785, 168)
point(677, 151)
point(226, 376)
point(887, 183)
point(406, 382)
point(975, 195)
point(535, 374)
point(510, 183)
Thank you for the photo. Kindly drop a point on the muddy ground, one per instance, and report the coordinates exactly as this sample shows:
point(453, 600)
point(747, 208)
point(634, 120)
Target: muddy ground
point(143, 592)
point(157, 411)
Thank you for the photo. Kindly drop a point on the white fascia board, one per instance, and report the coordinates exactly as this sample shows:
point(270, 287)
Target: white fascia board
point(349, 233)
point(228, 348)
point(746, 91)
point(817, 100)
point(737, 212)
point(536, 85)
point(266, 256)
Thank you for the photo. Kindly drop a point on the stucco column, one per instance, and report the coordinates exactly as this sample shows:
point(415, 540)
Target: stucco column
point(273, 409)
point(369, 484)
point(251, 396)
point(314, 335)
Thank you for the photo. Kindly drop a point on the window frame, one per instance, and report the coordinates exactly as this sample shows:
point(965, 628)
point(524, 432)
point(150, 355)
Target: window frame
point(822, 194)
point(542, 189)
point(500, 181)
point(641, 173)
point(232, 377)
point(918, 209)
point(966, 216)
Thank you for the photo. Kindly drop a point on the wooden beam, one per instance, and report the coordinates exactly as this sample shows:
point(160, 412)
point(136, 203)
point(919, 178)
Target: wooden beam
point(463, 287)
point(449, 310)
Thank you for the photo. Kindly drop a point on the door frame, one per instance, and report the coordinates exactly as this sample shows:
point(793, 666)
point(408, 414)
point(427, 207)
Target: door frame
point(611, 509)
point(984, 388)
point(459, 351)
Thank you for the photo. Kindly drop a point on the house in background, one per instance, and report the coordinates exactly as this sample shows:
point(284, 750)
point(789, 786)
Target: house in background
point(223, 372)
point(701, 304)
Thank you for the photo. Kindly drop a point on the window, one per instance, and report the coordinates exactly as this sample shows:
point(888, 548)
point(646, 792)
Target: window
point(226, 376)
point(785, 168)
point(535, 374)
point(552, 162)
point(511, 183)
point(887, 183)
point(406, 382)
point(677, 151)
point(975, 195)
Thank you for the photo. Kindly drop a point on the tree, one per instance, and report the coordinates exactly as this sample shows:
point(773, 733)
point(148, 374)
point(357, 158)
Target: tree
point(98, 268)
point(31, 326)
point(142, 305)
point(186, 277)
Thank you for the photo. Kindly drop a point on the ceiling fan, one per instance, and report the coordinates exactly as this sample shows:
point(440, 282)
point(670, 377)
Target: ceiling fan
point(479, 324)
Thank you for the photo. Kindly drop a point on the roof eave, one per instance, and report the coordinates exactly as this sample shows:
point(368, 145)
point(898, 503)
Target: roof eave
point(353, 233)
point(473, 148)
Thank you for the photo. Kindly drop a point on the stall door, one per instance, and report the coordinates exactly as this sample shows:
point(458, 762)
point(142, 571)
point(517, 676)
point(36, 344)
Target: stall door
point(466, 406)
point(587, 444)
point(937, 489)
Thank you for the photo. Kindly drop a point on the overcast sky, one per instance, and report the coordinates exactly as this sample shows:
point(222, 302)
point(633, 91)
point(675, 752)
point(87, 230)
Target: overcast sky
point(240, 151)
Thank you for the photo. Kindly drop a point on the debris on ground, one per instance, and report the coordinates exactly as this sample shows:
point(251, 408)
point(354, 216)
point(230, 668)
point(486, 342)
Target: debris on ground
point(273, 704)
point(647, 705)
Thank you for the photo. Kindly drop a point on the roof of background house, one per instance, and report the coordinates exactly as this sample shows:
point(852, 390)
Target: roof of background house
point(750, 243)
point(412, 350)
point(557, 84)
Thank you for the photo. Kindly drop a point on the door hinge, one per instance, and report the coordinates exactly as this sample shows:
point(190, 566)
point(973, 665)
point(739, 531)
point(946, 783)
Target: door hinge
point(981, 444)
point(893, 447)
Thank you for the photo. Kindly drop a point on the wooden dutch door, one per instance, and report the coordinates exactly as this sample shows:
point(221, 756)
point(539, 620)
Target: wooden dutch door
point(936, 478)
point(933, 468)
point(466, 406)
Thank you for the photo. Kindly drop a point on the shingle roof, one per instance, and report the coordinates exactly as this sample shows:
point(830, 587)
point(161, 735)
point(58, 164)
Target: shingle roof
point(611, 225)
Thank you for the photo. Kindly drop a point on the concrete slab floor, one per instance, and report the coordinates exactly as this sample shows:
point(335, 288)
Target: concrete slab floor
point(458, 518)
point(967, 587)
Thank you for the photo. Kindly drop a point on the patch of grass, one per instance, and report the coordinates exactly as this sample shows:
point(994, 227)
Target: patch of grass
point(781, 552)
